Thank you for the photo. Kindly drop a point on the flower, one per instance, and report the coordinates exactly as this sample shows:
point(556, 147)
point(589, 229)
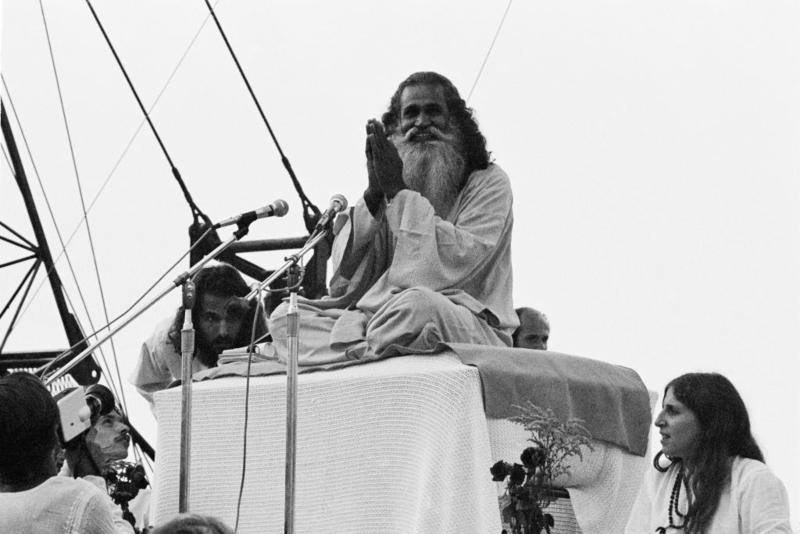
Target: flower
point(516, 475)
point(500, 471)
point(533, 457)
point(529, 488)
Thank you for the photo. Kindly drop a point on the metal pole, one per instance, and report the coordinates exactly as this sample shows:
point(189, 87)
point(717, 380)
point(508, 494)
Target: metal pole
point(292, 335)
point(187, 353)
point(291, 260)
point(71, 327)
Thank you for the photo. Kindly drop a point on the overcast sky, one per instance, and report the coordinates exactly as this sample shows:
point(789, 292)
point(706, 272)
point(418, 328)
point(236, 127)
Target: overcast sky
point(653, 148)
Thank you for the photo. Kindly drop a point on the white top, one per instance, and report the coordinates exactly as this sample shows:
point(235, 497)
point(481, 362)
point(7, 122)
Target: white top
point(139, 506)
point(159, 362)
point(59, 505)
point(756, 502)
point(466, 255)
point(395, 446)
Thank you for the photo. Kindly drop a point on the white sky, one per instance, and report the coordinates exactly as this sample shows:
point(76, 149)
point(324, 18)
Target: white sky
point(653, 148)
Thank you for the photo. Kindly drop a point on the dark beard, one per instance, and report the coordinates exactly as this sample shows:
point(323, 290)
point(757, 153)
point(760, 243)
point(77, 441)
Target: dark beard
point(434, 168)
point(206, 353)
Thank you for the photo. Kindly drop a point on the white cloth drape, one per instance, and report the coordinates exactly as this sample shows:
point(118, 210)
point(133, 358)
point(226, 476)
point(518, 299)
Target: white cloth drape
point(398, 445)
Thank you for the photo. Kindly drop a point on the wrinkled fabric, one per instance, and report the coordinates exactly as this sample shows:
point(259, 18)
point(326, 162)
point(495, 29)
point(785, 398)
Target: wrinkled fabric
point(139, 506)
point(407, 277)
point(59, 505)
point(755, 502)
point(611, 400)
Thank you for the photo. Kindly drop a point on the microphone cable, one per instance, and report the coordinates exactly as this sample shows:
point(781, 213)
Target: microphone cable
point(250, 350)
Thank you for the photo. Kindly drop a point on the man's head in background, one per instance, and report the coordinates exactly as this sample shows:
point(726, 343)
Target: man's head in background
point(533, 331)
point(221, 316)
point(105, 441)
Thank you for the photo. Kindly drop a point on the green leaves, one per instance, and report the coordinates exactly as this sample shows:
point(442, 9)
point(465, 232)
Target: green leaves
point(529, 489)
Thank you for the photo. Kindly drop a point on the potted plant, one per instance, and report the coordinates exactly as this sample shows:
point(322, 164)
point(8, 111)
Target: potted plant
point(529, 486)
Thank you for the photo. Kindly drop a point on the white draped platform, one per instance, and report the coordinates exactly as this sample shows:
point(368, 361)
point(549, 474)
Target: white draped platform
point(395, 446)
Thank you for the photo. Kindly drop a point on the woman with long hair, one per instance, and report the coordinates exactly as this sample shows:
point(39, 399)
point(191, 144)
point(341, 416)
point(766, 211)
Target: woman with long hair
point(710, 476)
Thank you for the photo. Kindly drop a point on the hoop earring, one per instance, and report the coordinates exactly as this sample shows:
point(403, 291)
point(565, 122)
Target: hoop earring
point(658, 466)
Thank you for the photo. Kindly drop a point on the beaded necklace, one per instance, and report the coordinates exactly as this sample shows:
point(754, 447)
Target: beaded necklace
point(673, 505)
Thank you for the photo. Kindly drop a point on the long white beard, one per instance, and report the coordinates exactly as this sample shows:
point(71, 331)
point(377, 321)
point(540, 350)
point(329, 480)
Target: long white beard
point(433, 168)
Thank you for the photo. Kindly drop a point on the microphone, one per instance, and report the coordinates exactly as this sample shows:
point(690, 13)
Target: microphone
point(338, 204)
point(279, 208)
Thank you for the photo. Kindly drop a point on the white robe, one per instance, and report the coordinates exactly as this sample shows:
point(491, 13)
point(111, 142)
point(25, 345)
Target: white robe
point(407, 278)
point(63, 505)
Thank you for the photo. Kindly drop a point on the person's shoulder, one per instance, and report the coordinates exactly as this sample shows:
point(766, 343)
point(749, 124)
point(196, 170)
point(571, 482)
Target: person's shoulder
point(491, 181)
point(748, 465)
point(762, 493)
point(162, 330)
point(492, 173)
point(71, 484)
point(745, 471)
point(57, 487)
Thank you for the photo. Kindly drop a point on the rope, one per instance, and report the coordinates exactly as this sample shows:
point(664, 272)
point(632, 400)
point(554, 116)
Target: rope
point(63, 252)
point(124, 313)
point(196, 213)
point(64, 246)
point(109, 377)
point(311, 213)
point(491, 46)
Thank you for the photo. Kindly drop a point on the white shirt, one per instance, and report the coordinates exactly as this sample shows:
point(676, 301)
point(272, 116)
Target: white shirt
point(60, 504)
point(756, 502)
point(159, 362)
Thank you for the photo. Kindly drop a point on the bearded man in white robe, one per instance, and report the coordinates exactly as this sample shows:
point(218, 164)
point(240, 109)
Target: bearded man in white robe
point(425, 256)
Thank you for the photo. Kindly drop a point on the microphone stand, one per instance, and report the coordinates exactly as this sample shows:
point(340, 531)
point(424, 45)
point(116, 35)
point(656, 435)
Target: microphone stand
point(291, 392)
point(187, 353)
point(292, 333)
point(291, 260)
point(102, 338)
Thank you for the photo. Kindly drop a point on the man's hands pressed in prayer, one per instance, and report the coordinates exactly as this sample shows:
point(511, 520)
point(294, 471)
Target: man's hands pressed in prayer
point(373, 193)
point(384, 166)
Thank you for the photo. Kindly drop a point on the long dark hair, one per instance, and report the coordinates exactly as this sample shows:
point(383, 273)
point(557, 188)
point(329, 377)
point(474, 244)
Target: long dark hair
point(474, 142)
point(724, 433)
point(225, 281)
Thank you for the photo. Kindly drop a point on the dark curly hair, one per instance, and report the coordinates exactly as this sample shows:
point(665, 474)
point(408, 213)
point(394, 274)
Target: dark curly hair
point(724, 433)
point(28, 422)
point(225, 281)
point(474, 142)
